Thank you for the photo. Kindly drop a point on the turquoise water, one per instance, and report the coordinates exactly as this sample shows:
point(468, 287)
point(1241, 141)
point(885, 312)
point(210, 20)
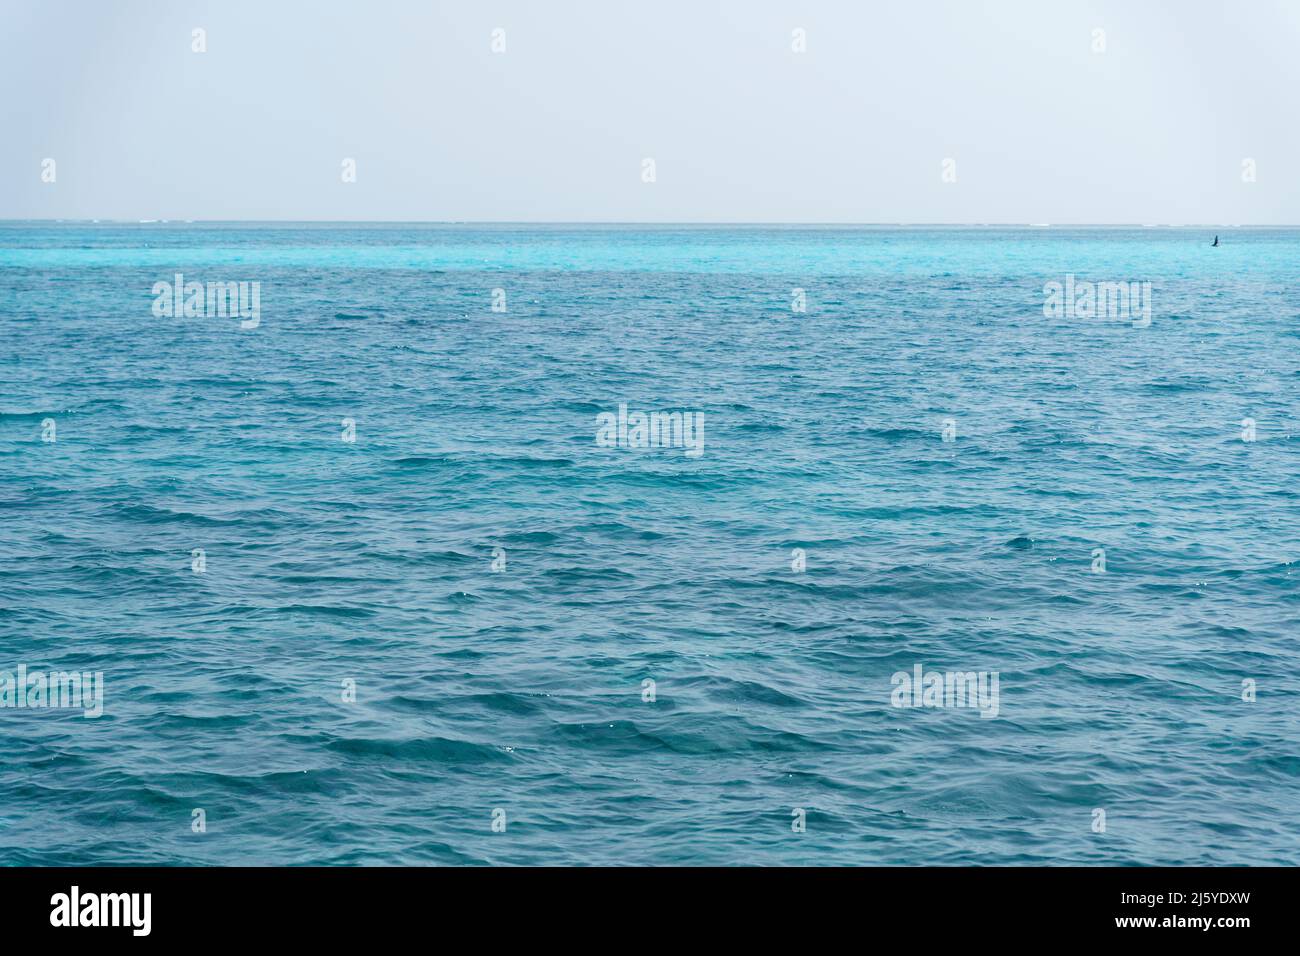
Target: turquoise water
point(521, 690)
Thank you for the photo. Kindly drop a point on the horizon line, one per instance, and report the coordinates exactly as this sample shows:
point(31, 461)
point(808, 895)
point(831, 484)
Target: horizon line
point(658, 222)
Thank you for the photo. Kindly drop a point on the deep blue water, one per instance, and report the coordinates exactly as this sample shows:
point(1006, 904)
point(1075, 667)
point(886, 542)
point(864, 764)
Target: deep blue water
point(522, 690)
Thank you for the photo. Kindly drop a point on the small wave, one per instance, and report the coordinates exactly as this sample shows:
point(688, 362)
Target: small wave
point(440, 750)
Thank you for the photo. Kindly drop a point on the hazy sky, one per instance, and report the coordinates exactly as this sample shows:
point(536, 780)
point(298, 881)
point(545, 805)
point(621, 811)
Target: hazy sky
point(741, 128)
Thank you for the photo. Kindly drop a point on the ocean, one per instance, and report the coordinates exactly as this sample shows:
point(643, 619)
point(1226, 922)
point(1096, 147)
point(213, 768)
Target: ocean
point(615, 545)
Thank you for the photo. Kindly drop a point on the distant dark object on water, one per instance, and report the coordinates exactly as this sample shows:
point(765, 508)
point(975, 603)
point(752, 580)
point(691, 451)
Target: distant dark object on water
point(1216, 241)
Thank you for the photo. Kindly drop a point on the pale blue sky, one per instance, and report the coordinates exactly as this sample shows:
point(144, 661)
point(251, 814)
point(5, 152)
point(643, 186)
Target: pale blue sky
point(1042, 129)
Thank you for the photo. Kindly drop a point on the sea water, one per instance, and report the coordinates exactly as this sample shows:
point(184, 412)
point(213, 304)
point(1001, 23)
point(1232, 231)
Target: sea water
point(366, 583)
